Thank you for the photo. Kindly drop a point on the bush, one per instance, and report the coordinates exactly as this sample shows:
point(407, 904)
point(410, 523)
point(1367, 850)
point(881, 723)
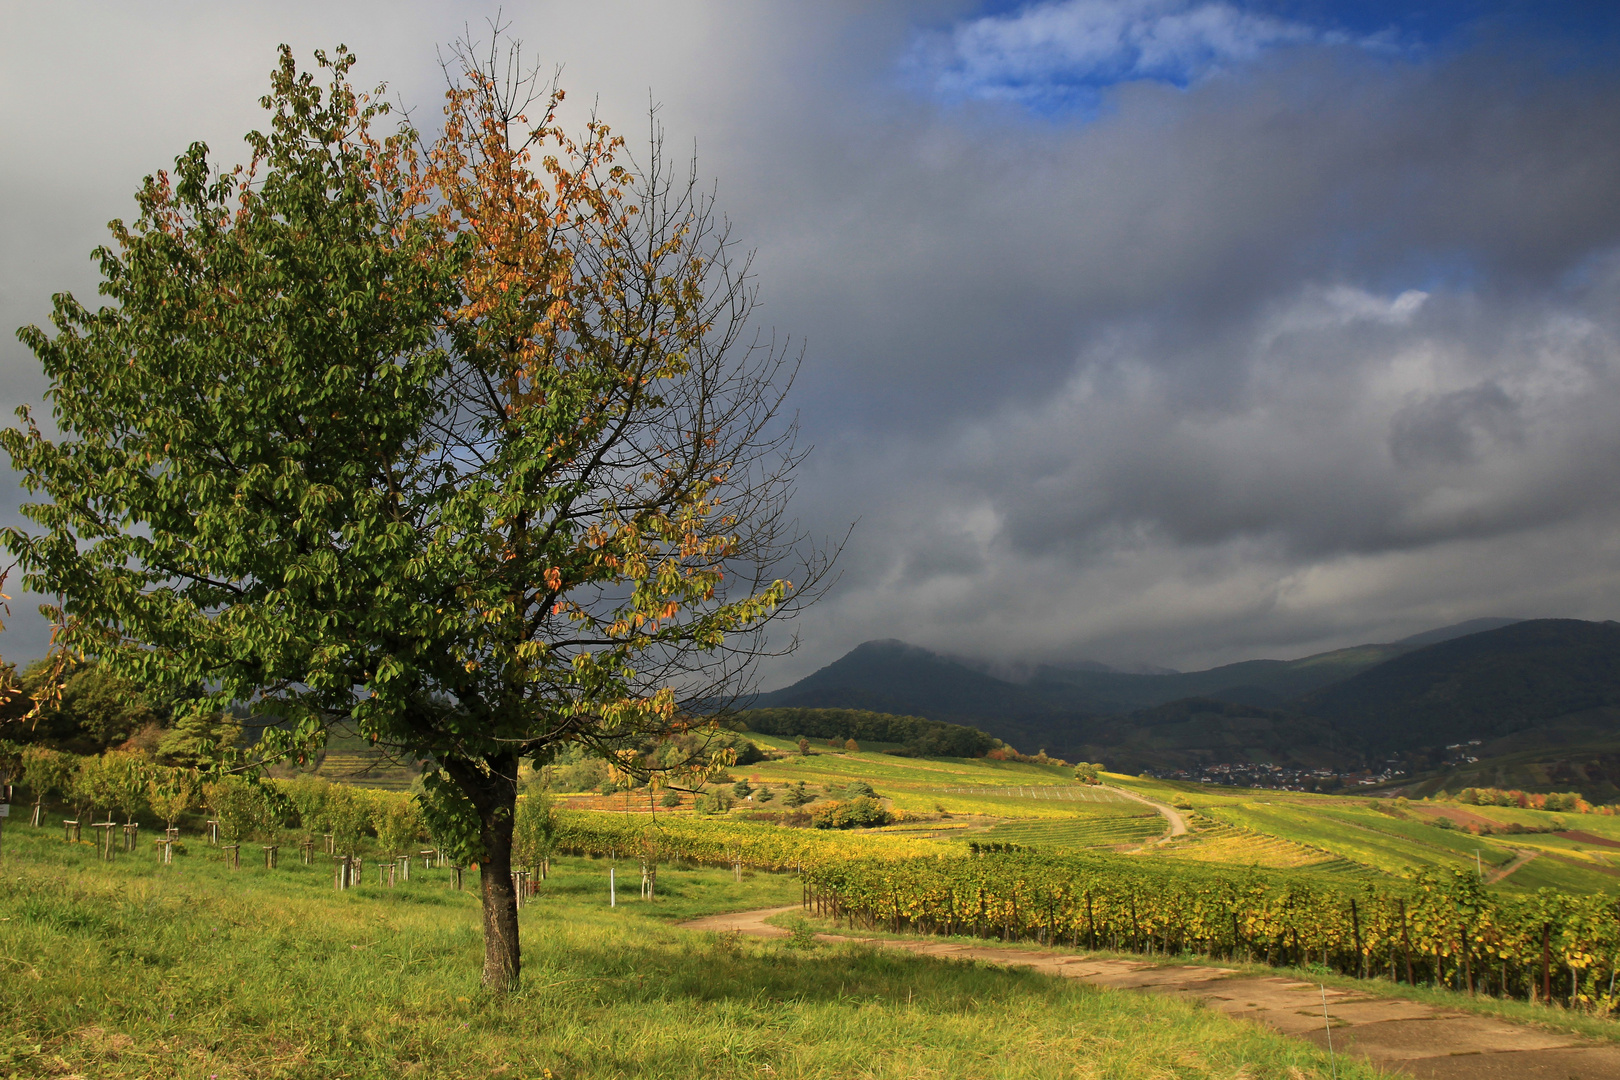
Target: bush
point(714, 802)
point(859, 813)
point(671, 799)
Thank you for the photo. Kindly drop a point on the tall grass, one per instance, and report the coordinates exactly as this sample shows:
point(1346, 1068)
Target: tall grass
point(130, 969)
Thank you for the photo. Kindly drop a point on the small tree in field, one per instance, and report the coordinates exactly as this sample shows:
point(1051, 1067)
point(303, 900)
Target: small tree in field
point(47, 772)
point(471, 449)
point(243, 809)
point(398, 822)
point(171, 793)
point(345, 814)
point(534, 837)
point(115, 780)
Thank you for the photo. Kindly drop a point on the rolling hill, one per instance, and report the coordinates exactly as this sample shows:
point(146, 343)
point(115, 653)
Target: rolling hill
point(1518, 686)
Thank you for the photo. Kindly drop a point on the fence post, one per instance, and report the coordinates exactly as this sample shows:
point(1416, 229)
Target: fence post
point(1546, 962)
point(1355, 929)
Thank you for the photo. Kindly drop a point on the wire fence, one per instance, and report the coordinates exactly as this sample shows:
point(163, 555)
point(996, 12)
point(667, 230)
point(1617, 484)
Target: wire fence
point(1054, 792)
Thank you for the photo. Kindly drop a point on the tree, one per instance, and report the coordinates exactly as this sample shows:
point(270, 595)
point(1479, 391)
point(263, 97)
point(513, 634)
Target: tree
point(170, 793)
point(88, 709)
point(345, 814)
point(244, 809)
point(534, 835)
point(199, 739)
point(398, 823)
point(469, 449)
point(116, 780)
point(11, 763)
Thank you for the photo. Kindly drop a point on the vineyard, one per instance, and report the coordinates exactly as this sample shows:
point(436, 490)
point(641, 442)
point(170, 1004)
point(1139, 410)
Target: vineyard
point(670, 838)
point(1080, 833)
point(1439, 927)
point(1214, 841)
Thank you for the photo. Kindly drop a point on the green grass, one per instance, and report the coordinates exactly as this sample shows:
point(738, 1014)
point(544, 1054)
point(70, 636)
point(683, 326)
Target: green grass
point(926, 785)
point(131, 969)
point(1080, 832)
point(1550, 1018)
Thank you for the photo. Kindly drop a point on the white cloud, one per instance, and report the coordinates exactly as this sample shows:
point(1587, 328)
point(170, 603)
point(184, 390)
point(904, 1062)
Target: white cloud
point(1047, 51)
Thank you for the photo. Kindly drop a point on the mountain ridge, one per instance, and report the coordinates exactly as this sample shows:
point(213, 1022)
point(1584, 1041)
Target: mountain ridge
point(1494, 678)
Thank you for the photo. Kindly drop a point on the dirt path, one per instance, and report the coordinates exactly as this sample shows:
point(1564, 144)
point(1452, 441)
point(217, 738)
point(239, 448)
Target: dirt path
point(1521, 857)
point(1178, 824)
point(1400, 1036)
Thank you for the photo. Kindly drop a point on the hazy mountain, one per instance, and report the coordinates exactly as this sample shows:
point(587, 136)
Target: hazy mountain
point(893, 676)
point(1514, 684)
point(1541, 673)
point(1456, 630)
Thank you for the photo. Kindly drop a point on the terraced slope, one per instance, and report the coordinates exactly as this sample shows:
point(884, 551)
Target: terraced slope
point(1080, 833)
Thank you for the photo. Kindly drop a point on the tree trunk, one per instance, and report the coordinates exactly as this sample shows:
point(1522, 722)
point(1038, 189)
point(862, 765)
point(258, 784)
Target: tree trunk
point(494, 795)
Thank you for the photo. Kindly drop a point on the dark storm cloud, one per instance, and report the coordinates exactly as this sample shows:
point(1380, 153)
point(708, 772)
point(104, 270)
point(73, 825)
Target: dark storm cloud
point(1309, 340)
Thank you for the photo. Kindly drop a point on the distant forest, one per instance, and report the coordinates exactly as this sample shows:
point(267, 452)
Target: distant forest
point(914, 734)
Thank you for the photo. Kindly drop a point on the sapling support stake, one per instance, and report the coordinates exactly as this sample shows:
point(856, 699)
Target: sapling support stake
point(1327, 1023)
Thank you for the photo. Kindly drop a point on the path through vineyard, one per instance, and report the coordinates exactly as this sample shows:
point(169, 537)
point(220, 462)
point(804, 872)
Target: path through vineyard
point(1400, 1036)
point(1178, 824)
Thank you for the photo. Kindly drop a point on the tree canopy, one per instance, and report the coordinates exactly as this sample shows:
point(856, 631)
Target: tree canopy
point(464, 444)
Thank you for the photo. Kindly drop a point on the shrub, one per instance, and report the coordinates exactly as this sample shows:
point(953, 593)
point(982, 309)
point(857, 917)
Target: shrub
point(859, 813)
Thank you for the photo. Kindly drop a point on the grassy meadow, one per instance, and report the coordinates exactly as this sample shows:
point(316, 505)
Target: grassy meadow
point(134, 969)
point(1040, 805)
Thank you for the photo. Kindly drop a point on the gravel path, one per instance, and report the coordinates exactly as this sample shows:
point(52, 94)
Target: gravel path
point(1178, 824)
point(1400, 1036)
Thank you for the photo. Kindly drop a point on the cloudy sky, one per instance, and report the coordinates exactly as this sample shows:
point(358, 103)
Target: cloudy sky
point(1148, 331)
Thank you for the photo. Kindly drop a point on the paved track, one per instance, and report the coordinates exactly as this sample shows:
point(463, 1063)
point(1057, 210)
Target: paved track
point(1400, 1036)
